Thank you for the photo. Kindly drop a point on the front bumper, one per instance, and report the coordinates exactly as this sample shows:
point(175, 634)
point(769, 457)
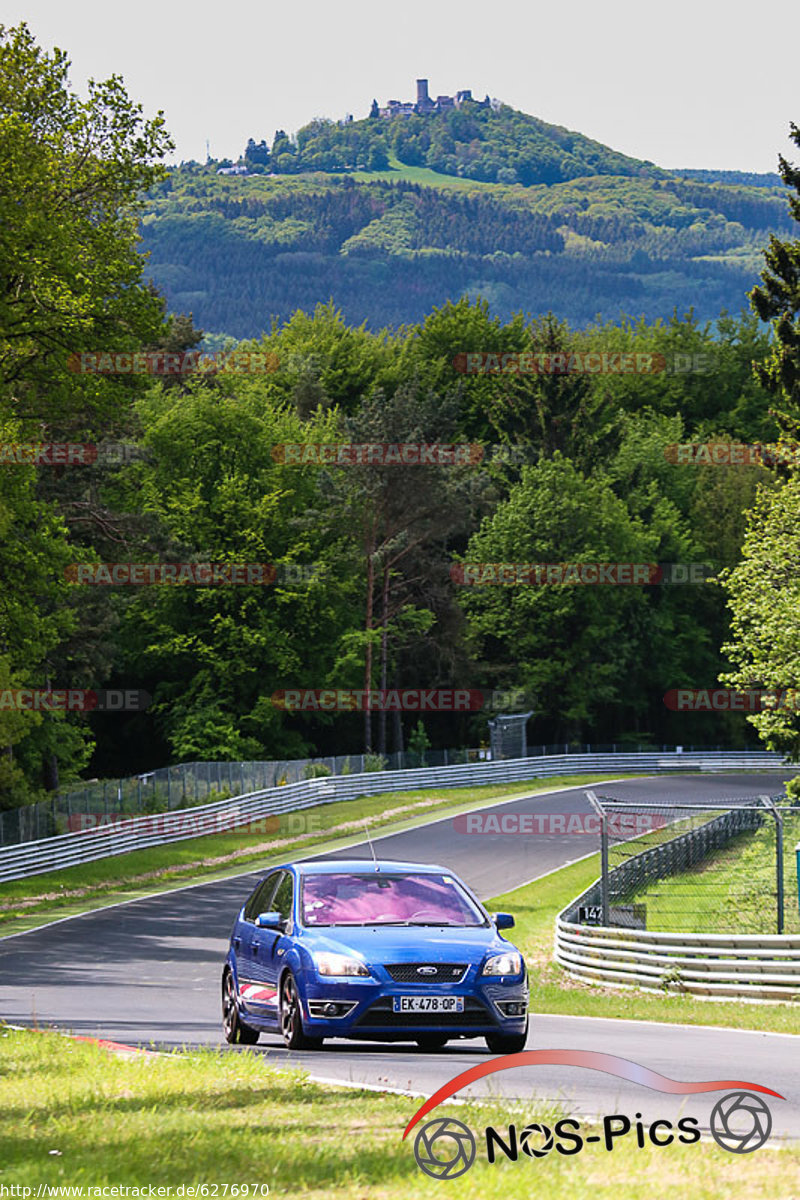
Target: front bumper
point(365, 1007)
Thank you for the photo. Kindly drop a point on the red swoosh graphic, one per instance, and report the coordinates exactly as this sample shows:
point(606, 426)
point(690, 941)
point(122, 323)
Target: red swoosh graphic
point(623, 1068)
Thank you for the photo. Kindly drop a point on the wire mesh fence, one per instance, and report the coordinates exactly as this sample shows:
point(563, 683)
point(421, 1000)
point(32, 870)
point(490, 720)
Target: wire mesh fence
point(729, 867)
point(194, 783)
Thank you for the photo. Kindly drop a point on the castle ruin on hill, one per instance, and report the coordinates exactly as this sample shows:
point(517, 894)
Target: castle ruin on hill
point(425, 104)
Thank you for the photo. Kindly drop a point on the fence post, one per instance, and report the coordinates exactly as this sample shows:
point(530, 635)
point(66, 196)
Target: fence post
point(770, 804)
point(601, 812)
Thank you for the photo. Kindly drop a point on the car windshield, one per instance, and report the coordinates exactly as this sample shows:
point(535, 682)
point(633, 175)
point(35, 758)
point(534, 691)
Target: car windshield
point(387, 899)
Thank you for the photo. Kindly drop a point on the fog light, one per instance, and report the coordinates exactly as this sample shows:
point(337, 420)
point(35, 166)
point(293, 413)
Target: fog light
point(319, 1009)
point(512, 1008)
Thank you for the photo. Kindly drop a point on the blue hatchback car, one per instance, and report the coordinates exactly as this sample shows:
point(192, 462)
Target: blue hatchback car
point(385, 951)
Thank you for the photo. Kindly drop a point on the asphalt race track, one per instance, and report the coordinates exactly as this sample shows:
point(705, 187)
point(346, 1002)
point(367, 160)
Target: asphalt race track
point(149, 971)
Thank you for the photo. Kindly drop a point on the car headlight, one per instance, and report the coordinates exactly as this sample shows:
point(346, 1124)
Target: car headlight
point(339, 964)
point(503, 964)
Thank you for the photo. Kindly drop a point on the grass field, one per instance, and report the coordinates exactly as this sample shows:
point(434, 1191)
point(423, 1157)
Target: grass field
point(400, 172)
point(74, 1115)
point(25, 903)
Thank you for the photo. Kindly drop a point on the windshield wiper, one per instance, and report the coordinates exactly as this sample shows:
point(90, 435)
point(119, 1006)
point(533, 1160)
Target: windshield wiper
point(424, 924)
point(380, 924)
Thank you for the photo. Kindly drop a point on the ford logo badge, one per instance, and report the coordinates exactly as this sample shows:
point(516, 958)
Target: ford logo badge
point(427, 970)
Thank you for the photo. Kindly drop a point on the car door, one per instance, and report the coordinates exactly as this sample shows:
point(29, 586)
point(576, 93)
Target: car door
point(274, 944)
point(249, 949)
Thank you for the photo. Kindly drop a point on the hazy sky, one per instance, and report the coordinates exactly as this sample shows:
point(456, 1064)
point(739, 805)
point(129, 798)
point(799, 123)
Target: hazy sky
point(686, 83)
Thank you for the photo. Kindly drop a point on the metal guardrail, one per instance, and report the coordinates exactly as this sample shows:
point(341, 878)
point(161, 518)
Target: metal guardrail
point(138, 833)
point(747, 966)
point(191, 784)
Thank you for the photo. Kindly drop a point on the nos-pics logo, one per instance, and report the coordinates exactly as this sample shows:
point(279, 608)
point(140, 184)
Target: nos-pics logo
point(445, 1148)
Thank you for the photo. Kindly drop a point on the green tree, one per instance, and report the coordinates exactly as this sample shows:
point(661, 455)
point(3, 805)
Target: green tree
point(593, 655)
point(378, 158)
point(401, 519)
point(764, 599)
point(34, 619)
point(418, 743)
point(214, 656)
point(71, 279)
point(777, 299)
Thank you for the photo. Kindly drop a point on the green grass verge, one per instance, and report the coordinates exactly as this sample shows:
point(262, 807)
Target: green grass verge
point(76, 1116)
point(552, 991)
point(400, 172)
point(733, 890)
point(27, 903)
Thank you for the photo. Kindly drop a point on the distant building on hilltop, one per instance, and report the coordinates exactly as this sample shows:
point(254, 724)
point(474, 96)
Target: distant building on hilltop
point(424, 105)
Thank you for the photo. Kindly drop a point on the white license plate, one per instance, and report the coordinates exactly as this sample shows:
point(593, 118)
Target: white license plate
point(430, 1004)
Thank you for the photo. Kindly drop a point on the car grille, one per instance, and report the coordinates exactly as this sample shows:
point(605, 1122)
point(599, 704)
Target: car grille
point(419, 972)
point(381, 1014)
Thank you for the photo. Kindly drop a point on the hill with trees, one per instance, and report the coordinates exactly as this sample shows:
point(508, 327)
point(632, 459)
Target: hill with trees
point(389, 216)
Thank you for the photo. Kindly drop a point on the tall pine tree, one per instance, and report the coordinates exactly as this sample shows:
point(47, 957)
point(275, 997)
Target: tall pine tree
point(777, 299)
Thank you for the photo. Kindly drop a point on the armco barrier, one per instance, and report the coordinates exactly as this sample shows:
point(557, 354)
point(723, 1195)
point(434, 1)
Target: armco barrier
point(70, 849)
point(747, 966)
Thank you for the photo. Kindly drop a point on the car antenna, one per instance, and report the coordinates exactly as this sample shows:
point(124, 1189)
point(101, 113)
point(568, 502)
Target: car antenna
point(372, 848)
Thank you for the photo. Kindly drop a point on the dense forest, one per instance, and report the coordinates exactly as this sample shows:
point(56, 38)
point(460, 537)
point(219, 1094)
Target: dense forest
point(367, 586)
point(240, 252)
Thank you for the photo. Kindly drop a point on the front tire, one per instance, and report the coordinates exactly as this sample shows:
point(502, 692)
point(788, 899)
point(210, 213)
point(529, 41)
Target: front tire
point(507, 1043)
point(233, 1030)
point(294, 1036)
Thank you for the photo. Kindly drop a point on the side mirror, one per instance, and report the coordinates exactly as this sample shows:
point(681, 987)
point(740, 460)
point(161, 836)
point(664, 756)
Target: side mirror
point(270, 920)
point(503, 920)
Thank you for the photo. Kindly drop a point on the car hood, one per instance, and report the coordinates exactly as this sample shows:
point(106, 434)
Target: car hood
point(406, 943)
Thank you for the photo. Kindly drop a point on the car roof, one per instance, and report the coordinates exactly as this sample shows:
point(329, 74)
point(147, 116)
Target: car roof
point(364, 866)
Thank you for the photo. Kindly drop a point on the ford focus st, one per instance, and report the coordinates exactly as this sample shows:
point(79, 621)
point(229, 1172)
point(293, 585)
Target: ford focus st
point(385, 951)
